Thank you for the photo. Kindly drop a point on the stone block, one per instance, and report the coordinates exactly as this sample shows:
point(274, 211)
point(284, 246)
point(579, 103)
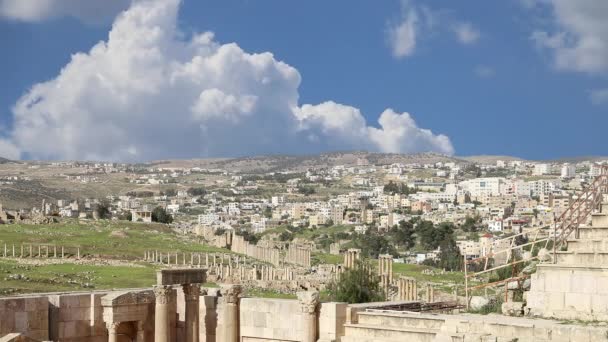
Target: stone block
point(36, 304)
point(578, 301)
point(554, 301)
point(181, 276)
point(13, 304)
point(599, 304)
point(21, 321)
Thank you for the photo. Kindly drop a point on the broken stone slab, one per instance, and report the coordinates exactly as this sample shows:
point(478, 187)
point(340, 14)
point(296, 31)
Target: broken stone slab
point(178, 276)
point(515, 309)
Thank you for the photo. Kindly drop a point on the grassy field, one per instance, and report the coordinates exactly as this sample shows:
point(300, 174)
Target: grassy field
point(108, 239)
point(17, 278)
point(323, 258)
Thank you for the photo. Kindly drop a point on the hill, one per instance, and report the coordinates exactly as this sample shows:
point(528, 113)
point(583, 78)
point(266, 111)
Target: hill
point(275, 163)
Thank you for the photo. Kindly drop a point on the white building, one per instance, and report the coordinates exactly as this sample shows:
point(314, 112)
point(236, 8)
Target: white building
point(568, 171)
point(208, 219)
point(492, 186)
point(495, 226)
point(541, 169)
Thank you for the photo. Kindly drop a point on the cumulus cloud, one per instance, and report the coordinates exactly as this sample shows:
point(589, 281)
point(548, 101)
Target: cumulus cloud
point(466, 33)
point(148, 93)
point(577, 36)
point(90, 11)
point(599, 96)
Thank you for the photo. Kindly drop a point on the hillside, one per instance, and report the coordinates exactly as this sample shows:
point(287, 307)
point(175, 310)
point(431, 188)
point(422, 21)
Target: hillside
point(274, 163)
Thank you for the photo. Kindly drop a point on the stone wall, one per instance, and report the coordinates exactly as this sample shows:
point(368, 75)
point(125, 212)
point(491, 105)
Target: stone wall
point(76, 317)
point(27, 315)
point(271, 319)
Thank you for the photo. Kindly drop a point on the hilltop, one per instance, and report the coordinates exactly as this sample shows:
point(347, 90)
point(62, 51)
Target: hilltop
point(274, 163)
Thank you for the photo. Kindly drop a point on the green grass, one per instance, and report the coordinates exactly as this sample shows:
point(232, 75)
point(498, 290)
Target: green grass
point(72, 277)
point(322, 258)
point(268, 293)
point(100, 238)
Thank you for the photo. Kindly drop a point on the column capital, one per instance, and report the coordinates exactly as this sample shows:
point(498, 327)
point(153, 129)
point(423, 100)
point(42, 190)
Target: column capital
point(163, 294)
point(309, 301)
point(112, 326)
point(191, 291)
point(231, 293)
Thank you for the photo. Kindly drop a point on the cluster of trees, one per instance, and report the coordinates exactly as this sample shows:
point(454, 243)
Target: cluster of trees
point(197, 191)
point(373, 244)
point(169, 193)
point(398, 188)
point(306, 190)
point(248, 236)
point(357, 285)
point(160, 215)
point(471, 224)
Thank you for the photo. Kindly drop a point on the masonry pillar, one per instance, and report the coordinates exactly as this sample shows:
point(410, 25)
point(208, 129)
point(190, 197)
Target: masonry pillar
point(112, 335)
point(230, 313)
point(191, 296)
point(163, 294)
point(309, 303)
point(140, 332)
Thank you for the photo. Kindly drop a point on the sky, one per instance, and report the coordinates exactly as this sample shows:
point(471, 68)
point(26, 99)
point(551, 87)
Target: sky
point(154, 79)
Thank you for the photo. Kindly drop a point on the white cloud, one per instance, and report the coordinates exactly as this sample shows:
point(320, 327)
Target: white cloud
point(599, 96)
point(8, 150)
point(484, 71)
point(146, 93)
point(418, 22)
point(91, 11)
point(402, 35)
point(577, 36)
point(466, 33)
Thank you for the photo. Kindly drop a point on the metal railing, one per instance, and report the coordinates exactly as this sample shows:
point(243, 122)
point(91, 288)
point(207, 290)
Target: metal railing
point(568, 222)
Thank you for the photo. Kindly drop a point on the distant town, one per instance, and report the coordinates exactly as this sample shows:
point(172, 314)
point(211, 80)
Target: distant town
point(483, 201)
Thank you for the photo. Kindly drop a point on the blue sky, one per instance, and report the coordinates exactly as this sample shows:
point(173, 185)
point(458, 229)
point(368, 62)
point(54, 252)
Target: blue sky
point(500, 90)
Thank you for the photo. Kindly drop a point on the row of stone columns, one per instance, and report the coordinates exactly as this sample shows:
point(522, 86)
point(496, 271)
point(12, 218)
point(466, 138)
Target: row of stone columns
point(351, 256)
point(298, 255)
point(385, 270)
point(267, 254)
point(195, 259)
point(255, 272)
point(41, 251)
point(407, 289)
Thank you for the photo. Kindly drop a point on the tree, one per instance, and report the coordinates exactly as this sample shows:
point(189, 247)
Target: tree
point(471, 224)
point(169, 193)
point(103, 210)
point(306, 190)
point(268, 212)
point(197, 191)
point(159, 214)
point(357, 285)
point(431, 236)
point(286, 236)
point(450, 258)
point(372, 244)
point(403, 234)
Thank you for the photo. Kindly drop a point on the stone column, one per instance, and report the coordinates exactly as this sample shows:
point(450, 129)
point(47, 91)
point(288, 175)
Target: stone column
point(191, 296)
point(309, 303)
point(112, 336)
point(163, 294)
point(230, 313)
point(140, 332)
